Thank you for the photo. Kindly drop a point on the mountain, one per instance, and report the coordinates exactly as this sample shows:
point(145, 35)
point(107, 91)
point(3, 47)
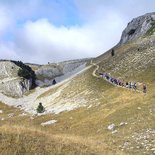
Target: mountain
point(59, 71)
point(138, 27)
point(15, 85)
point(12, 78)
point(86, 114)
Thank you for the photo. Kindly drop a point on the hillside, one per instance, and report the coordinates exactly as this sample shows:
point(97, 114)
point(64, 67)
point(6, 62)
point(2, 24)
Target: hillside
point(88, 114)
point(59, 71)
point(15, 78)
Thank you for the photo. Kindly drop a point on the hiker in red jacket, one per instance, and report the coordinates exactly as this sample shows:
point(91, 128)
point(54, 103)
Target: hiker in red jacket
point(144, 88)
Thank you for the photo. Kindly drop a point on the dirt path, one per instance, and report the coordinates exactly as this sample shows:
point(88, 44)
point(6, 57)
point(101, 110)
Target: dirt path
point(96, 69)
point(5, 80)
point(94, 74)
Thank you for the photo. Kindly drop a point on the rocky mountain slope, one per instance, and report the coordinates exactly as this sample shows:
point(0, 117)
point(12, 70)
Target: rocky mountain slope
point(138, 27)
point(11, 83)
point(59, 71)
point(89, 110)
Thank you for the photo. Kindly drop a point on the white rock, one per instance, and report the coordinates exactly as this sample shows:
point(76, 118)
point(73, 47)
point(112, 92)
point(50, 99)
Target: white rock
point(11, 115)
point(23, 114)
point(32, 118)
point(115, 131)
point(111, 127)
point(2, 119)
point(10, 83)
point(123, 123)
point(1, 111)
point(49, 122)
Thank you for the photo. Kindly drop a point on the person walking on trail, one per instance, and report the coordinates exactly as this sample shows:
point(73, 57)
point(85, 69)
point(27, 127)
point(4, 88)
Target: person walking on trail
point(135, 86)
point(127, 84)
point(130, 86)
point(144, 88)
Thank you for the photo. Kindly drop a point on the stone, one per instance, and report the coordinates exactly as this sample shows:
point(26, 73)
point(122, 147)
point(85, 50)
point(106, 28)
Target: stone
point(10, 83)
point(111, 127)
point(123, 123)
point(115, 131)
point(137, 27)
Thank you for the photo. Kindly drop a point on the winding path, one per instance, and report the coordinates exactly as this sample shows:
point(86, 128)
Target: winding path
point(94, 74)
point(96, 69)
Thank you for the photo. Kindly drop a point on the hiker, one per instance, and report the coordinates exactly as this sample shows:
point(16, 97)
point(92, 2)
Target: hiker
point(101, 74)
point(127, 84)
point(107, 76)
point(135, 86)
point(144, 88)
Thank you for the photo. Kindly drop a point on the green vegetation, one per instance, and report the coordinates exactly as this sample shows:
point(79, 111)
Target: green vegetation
point(112, 52)
point(26, 72)
point(151, 30)
point(40, 108)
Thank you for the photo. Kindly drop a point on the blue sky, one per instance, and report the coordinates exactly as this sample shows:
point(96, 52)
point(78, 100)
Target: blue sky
point(41, 31)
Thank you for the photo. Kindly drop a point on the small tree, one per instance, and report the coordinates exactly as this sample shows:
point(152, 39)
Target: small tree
point(54, 82)
point(40, 108)
point(112, 52)
point(24, 73)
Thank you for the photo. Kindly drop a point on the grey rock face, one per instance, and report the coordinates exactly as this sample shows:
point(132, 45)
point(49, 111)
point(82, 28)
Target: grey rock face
point(10, 83)
point(137, 27)
point(49, 71)
point(59, 71)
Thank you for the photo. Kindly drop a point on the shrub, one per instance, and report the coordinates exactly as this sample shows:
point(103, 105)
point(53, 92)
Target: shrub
point(26, 72)
point(112, 52)
point(40, 108)
point(54, 82)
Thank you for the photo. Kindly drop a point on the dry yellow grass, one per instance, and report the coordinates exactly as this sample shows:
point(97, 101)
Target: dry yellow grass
point(84, 130)
point(29, 137)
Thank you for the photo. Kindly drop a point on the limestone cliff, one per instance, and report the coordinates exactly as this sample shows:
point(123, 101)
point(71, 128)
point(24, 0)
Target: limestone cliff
point(10, 83)
point(46, 73)
point(138, 27)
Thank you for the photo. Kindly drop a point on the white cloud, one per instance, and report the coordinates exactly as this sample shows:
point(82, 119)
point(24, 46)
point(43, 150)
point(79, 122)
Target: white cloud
point(7, 51)
point(41, 41)
point(5, 20)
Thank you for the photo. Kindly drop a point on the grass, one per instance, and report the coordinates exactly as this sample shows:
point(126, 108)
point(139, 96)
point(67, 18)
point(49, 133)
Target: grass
point(27, 141)
point(116, 105)
point(84, 130)
point(30, 138)
point(88, 125)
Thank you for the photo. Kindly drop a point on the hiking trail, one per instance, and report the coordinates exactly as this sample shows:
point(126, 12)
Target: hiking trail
point(96, 70)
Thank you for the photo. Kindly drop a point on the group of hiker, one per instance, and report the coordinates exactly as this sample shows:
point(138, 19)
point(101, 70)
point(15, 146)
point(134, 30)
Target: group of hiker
point(130, 85)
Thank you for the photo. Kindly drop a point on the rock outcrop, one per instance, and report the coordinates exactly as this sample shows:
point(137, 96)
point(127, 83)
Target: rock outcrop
point(46, 73)
point(138, 27)
point(10, 83)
